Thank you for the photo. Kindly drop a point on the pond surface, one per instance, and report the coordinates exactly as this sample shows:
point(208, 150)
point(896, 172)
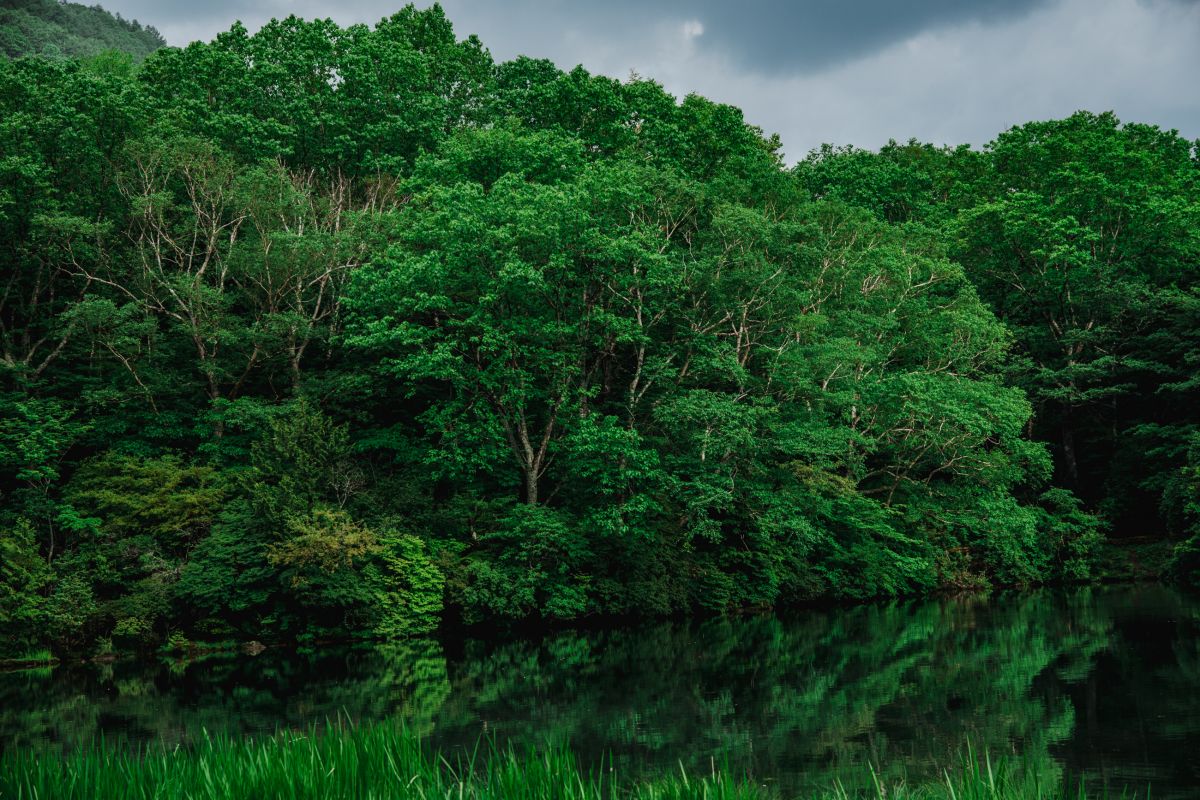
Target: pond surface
point(1099, 683)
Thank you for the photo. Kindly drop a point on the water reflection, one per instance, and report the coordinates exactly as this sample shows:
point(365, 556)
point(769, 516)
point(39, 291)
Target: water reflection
point(1101, 682)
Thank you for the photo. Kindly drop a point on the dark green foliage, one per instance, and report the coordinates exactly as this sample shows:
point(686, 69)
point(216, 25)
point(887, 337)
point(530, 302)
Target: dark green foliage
point(1083, 235)
point(315, 330)
point(1184, 565)
point(58, 29)
point(132, 525)
point(23, 577)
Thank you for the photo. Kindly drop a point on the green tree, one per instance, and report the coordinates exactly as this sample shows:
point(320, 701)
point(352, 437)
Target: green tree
point(1084, 221)
point(59, 29)
point(24, 576)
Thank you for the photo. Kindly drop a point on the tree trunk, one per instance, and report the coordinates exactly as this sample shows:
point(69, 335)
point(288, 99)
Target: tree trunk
point(531, 485)
point(1068, 445)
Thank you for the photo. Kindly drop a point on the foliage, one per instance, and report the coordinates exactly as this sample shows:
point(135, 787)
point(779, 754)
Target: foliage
point(332, 331)
point(61, 29)
point(1184, 565)
point(23, 575)
point(408, 587)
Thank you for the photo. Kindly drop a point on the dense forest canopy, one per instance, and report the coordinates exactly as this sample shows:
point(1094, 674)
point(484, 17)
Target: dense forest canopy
point(350, 330)
point(58, 29)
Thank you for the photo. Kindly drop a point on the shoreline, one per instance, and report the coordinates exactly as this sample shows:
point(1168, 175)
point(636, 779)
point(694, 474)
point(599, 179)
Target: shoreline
point(196, 650)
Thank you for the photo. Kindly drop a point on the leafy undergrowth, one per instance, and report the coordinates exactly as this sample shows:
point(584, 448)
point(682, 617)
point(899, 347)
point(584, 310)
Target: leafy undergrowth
point(381, 761)
point(1139, 559)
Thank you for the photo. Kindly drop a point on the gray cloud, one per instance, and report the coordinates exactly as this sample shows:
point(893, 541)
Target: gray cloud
point(772, 37)
point(947, 71)
point(762, 35)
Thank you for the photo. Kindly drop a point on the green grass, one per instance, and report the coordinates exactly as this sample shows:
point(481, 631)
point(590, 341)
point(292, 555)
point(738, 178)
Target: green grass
point(41, 656)
point(39, 661)
point(976, 778)
point(374, 762)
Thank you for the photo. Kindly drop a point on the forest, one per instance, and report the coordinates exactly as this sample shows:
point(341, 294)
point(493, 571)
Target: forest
point(56, 29)
point(326, 332)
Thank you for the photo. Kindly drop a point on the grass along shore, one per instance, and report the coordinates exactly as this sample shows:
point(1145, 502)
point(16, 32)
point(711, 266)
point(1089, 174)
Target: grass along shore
point(383, 761)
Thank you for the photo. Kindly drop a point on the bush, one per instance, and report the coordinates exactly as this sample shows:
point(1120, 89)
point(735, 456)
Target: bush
point(408, 587)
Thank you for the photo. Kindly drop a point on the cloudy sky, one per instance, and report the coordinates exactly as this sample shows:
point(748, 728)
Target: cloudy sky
point(843, 71)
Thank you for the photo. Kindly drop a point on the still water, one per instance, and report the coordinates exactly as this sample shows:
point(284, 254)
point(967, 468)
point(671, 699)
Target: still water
point(1099, 683)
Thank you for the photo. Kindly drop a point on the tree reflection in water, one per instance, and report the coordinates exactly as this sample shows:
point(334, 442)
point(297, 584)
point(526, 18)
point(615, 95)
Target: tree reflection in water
point(1101, 683)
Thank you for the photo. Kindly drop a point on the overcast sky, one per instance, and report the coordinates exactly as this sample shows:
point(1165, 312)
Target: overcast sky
point(848, 72)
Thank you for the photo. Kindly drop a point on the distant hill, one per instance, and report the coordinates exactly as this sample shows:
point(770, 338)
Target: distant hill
point(56, 29)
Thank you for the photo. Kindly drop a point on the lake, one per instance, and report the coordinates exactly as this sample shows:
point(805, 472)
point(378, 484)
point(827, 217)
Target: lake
point(1101, 683)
